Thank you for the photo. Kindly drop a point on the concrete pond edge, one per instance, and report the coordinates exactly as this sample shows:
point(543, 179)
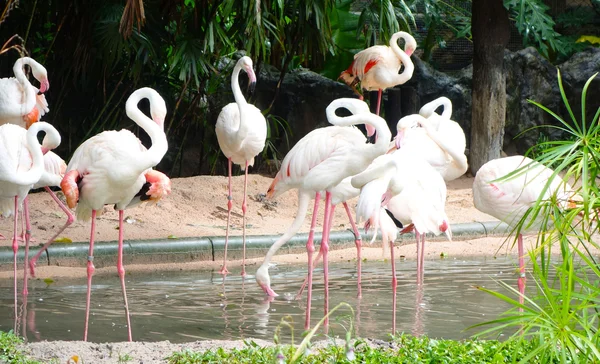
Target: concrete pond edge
point(211, 248)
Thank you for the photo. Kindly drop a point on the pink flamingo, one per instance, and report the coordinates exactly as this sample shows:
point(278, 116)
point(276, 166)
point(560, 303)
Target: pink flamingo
point(54, 171)
point(20, 103)
point(21, 166)
point(377, 67)
point(112, 168)
point(241, 132)
point(319, 162)
point(509, 199)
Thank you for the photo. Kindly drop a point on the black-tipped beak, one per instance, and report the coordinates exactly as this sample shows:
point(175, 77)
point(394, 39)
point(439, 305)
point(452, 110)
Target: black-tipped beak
point(251, 87)
point(373, 138)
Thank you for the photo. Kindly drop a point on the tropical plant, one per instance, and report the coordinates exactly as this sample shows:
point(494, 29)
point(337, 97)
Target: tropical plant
point(563, 315)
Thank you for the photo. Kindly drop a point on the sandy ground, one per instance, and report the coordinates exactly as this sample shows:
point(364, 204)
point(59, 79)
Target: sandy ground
point(197, 207)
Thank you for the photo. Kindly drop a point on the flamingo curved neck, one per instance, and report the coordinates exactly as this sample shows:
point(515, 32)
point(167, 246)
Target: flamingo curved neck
point(404, 58)
point(32, 144)
point(159, 146)
point(303, 200)
point(235, 87)
point(384, 135)
point(29, 101)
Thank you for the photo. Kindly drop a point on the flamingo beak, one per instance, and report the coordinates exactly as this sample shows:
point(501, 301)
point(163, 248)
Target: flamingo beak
point(251, 79)
point(44, 86)
point(268, 290)
point(399, 138)
point(409, 51)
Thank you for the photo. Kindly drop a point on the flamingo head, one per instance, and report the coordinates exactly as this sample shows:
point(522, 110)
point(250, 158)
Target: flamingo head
point(158, 111)
point(40, 74)
point(404, 125)
point(264, 281)
point(246, 63)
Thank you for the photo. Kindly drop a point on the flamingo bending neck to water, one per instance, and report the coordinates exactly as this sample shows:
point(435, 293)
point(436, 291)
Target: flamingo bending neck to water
point(319, 162)
point(21, 166)
point(241, 132)
point(20, 103)
point(376, 68)
point(112, 168)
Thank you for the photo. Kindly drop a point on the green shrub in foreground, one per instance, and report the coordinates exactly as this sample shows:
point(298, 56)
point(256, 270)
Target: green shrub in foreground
point(401, 349)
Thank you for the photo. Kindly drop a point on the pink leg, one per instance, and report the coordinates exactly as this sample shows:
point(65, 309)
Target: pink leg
point(70, 219)
point(90, 273)
point(27, 237)
point(229, 206)
point(521, 280)
point(15, 247)
point(310, 249)
point(358, 242)
point(121, 271)
point(422, 272)
point(244, 207)
point(316, 260)
point(325, 251)
point(379, 93)
point(394, 286)
point(418, 237)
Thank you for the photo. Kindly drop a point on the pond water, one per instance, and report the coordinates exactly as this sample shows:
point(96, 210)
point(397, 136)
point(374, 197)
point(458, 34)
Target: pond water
point(188, 306)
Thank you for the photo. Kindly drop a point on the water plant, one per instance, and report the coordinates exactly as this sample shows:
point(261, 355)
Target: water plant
point(563, 315)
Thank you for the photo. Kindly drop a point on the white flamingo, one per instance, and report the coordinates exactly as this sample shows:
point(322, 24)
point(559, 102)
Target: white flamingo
point(377, 67)
point(437, 139)
point(415, 194)
point(319, 162)
point(508, 199)
point(21, 166)
point(20, 103)
point(112, 168)
point(241, 132)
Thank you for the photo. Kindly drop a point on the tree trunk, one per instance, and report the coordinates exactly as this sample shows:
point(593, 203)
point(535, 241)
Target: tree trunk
point(491, 32)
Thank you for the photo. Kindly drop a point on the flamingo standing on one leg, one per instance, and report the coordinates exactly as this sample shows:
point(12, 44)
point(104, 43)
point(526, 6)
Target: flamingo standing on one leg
point(509, 199)
point(20, 103)
point(54, 171)
point(377, 67)
point(241, 132)
point(21, 166)
point(112, 168)
point(321, 160)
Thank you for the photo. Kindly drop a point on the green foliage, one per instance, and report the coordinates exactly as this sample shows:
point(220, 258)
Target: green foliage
point(402, 349)
point(9, 352)
point(439, 15)
point(562, 316)
point(534, 24)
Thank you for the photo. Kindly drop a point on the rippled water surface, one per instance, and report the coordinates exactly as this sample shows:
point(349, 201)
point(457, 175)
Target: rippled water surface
point(187, 306)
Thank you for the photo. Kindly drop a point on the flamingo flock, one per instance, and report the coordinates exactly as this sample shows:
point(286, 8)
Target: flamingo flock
point(403, 177)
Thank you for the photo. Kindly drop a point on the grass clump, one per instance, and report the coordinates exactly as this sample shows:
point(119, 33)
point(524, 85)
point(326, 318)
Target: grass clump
point(9, 351)
point(401, 349)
